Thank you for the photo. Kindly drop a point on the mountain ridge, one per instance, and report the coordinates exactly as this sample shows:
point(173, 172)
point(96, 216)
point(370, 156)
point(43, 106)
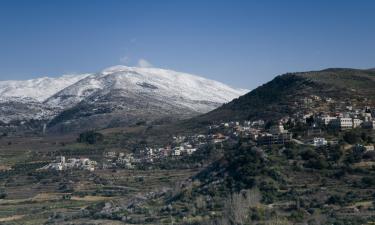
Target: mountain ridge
point(38, 89)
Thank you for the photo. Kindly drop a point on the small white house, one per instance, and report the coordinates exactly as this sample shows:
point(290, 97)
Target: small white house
point(177, 151)
point(190, 151)
point(369, 148)
point(357, 122)
point(319, 141)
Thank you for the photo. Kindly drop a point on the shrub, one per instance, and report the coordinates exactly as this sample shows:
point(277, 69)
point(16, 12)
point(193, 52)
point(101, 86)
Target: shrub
point(309, 154)
point(318, 164)
point(335, 199)
point(351, 137)
point(297, 215)
point(368, 181)
point(269, 192)
point(90, 137)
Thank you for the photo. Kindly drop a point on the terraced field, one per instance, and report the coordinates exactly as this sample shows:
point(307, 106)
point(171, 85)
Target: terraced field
point(34, 197)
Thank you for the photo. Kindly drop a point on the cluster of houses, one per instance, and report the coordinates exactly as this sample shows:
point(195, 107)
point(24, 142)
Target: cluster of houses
point(347, 121)
point(277, 134)
point(345, 117)
point(119, 159)
point(179, 146)
point(257, 133)
point(254, 131)
point(72, 163)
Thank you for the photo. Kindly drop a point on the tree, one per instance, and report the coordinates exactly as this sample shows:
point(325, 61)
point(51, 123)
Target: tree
point(335, 153)
point(3, 194)
point(351, 137)
point(244, 164)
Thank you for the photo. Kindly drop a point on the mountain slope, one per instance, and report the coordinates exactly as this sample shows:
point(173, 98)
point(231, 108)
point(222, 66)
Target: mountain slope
point(285, 94)
point(36, 89)
point(23, 100)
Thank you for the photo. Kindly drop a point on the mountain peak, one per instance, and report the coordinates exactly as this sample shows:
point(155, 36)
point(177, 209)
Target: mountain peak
point(167, 84)
point(117, 68)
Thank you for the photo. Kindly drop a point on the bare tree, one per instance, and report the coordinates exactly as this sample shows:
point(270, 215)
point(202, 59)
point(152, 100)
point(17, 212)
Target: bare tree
point(200, 202)
point(278, 221)
point(238, 205)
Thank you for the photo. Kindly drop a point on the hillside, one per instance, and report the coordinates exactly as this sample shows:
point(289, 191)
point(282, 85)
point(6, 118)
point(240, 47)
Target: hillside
point(284, 95)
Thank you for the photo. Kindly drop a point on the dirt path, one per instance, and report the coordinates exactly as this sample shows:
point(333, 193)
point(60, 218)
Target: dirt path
point(11, 218)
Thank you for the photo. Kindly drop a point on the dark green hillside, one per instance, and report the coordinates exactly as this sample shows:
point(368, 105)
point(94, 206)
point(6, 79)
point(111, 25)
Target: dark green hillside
point(283, 95)
point(361, 81)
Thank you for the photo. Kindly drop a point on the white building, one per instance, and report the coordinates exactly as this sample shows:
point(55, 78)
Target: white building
point(357, 122)
point(190, 151)
point(177, 151)
point(319, 142)
point(343, 123)
point(325, 120)
point(369, 148)
point(278, 129)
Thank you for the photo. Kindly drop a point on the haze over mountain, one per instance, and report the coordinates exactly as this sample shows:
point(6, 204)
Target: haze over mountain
point(116, 95)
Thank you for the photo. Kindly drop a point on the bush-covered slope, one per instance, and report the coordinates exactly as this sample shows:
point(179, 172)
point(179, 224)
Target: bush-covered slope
point(283, 95)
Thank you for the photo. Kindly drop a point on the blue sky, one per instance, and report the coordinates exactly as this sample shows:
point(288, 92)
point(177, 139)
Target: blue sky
point(241, 43)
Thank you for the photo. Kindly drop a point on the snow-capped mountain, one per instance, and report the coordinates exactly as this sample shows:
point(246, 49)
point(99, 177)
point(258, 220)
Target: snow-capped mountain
point(181, 89)
point(116, 95)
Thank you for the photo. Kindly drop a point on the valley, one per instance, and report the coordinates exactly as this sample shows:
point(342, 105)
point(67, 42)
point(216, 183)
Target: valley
point(297, 150)
point(230, 112)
